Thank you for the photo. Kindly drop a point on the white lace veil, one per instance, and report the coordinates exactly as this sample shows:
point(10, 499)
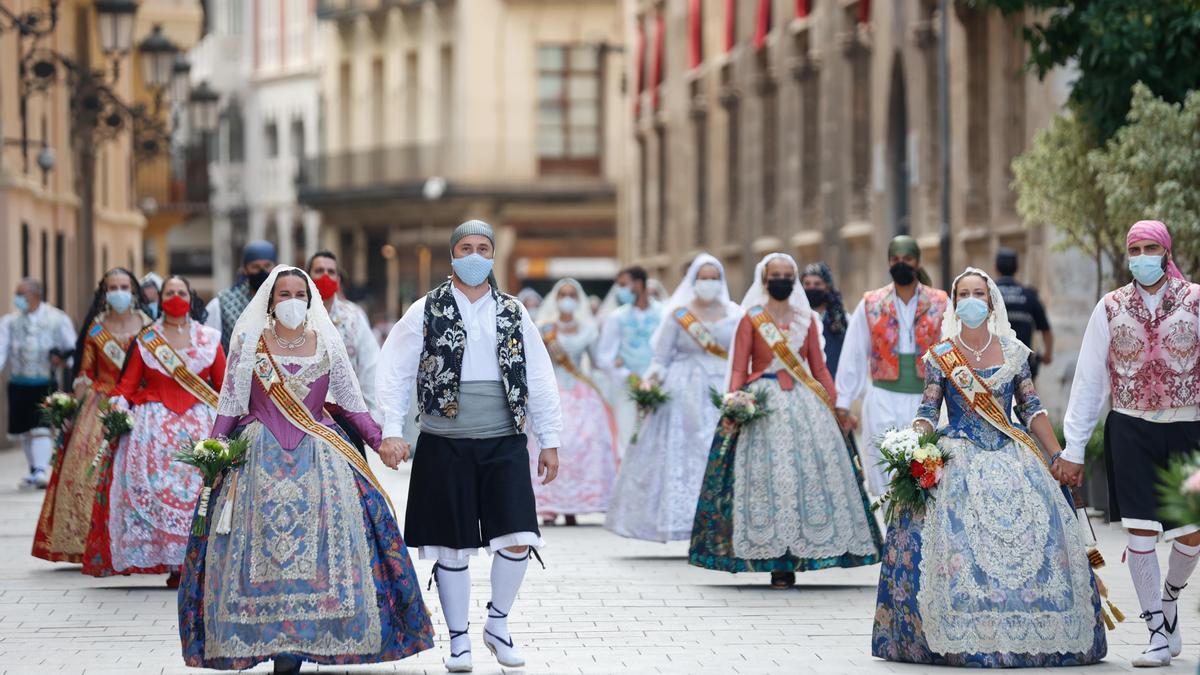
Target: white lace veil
point(758, 295)
point(548, 312)
point(997, 321)
point(343, 384)
point(685, 292)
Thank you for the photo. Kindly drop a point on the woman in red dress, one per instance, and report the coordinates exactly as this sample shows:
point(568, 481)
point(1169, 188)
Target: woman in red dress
point(144, 502)
point(115, 317)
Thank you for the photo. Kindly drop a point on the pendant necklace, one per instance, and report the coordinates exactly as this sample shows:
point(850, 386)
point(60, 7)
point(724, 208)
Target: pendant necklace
point(977, 352)
point(289, 344)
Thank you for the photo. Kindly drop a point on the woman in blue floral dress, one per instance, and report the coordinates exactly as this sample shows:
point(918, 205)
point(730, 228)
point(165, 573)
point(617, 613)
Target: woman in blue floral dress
point(302, 559)
point(994, 572)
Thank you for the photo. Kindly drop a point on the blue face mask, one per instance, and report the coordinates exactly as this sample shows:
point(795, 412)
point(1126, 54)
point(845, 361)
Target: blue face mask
point(119, 301)
point(152, 310)
point(473, 269)
point(625, 296)
point(1147, 269)
point(21, 303)
point(972, 312)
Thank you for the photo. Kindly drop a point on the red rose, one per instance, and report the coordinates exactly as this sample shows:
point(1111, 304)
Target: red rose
point(917, 469)
point(928, 480)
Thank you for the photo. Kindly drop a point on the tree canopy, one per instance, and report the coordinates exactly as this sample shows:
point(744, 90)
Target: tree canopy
point(1113, 44)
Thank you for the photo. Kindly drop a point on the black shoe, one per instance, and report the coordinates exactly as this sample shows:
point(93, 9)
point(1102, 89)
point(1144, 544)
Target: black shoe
point(286, 665)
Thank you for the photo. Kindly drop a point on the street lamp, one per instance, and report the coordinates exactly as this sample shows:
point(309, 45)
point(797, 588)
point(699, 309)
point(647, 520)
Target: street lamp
point(204, 108)
point(115, 25)
point(181, 83)
point(158, 59)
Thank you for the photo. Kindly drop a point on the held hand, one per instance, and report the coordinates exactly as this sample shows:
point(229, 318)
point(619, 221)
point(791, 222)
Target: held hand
point(1067, 473)
point(846, 421)
point(1047, 358)
point(56, 361)
point(394, 450)
point(548, 465)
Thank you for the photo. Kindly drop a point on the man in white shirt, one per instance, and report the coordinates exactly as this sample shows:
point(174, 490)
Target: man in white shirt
point(1142, 348)
point(624, 345)
point(352, 324)
point(481, 370)
point(888, 334)
point(33, 340)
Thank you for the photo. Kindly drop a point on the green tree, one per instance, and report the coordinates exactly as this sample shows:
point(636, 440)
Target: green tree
point(1092, 193)
point(1113, 44)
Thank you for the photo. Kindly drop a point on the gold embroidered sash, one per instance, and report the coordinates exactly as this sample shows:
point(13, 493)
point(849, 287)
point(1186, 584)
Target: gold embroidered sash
point(109, 346)
point(979, 396)
point(699, 332)
point(562, 359)
point(166, 356)
point(771, 334)
point(294, 410)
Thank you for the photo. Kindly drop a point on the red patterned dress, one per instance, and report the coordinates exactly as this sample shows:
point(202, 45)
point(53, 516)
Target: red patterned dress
point(144, 499)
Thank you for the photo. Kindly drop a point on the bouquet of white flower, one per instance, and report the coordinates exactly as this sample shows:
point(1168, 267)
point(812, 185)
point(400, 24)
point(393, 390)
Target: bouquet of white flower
point(212, 456)
point(916, 464)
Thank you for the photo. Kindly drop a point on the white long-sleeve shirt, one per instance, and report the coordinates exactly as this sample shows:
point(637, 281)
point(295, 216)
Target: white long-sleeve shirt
point(854, 365)
point(401, 355)
point(1090, 386)
point(53, 330)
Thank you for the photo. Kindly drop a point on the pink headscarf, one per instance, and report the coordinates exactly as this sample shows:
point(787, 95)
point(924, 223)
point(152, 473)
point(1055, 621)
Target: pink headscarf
point(1156, 232)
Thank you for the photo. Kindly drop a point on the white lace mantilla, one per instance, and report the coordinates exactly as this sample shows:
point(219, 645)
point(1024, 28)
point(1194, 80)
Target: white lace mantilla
point(1003, 565)
point(343, 382)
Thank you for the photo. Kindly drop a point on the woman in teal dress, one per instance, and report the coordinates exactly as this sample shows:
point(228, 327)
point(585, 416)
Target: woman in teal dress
point(994, 573)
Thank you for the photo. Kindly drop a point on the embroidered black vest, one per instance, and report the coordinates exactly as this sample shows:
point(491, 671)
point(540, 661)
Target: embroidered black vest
point(445, 339)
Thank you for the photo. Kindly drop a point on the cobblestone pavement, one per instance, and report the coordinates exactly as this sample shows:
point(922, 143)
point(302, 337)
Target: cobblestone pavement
point(604, 604)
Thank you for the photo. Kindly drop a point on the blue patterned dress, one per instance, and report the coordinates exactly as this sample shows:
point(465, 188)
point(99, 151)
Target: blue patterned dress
point(994, 574)
point(313, 565)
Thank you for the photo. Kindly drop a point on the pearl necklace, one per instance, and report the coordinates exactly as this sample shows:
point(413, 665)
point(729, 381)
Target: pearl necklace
point(290, 344)
point(977, 352)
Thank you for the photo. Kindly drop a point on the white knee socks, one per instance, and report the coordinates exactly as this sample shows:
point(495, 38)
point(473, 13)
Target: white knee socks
point(508, 571)
point(27, 446)
point(1142, 559)
point(454, 591)
point(40, 449)
point(1180, 566)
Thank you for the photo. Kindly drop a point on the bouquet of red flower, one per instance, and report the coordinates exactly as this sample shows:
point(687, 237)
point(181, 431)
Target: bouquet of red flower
point(916, 464)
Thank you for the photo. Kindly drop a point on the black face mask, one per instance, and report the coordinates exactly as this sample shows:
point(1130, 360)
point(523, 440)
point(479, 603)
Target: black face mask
point(257, 279)
point(816, 296)
point(903, 274)
point(780, 289)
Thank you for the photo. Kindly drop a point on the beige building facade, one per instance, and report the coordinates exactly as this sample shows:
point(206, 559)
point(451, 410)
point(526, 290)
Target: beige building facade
point(812, 127)
point(436, 112)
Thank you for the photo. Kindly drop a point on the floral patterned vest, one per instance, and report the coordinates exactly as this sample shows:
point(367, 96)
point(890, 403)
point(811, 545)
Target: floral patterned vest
point(885, 328)
point(1154, 359)
point(440, 372)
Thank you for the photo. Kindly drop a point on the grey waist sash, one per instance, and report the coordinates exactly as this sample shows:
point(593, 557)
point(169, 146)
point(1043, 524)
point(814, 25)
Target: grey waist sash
point(482, 413)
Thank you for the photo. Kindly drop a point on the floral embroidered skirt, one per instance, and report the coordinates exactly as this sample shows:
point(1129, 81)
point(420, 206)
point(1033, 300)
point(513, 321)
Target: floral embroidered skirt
point(994, 574)
point(659, 482)
point(63, 525)
point(784, 494)
point(144, 498)
point(588, 454)
point(313, 566)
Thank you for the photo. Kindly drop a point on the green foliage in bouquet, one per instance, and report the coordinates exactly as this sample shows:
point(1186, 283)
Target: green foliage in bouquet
point(1179, 491)
point(58, 408)
point(212, 456)
point(915, 462)
point(742, 406)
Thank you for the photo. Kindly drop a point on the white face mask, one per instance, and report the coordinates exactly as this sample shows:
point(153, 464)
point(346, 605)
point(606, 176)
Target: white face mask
point(568, 305)
point(291, 313)
point(707, 289)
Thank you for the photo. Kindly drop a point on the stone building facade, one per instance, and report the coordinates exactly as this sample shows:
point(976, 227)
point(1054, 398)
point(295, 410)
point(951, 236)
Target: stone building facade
point(812, 127)
point(436, 112)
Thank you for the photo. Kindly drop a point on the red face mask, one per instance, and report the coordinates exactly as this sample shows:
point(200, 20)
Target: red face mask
point(175, 306)
point(327, 286)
